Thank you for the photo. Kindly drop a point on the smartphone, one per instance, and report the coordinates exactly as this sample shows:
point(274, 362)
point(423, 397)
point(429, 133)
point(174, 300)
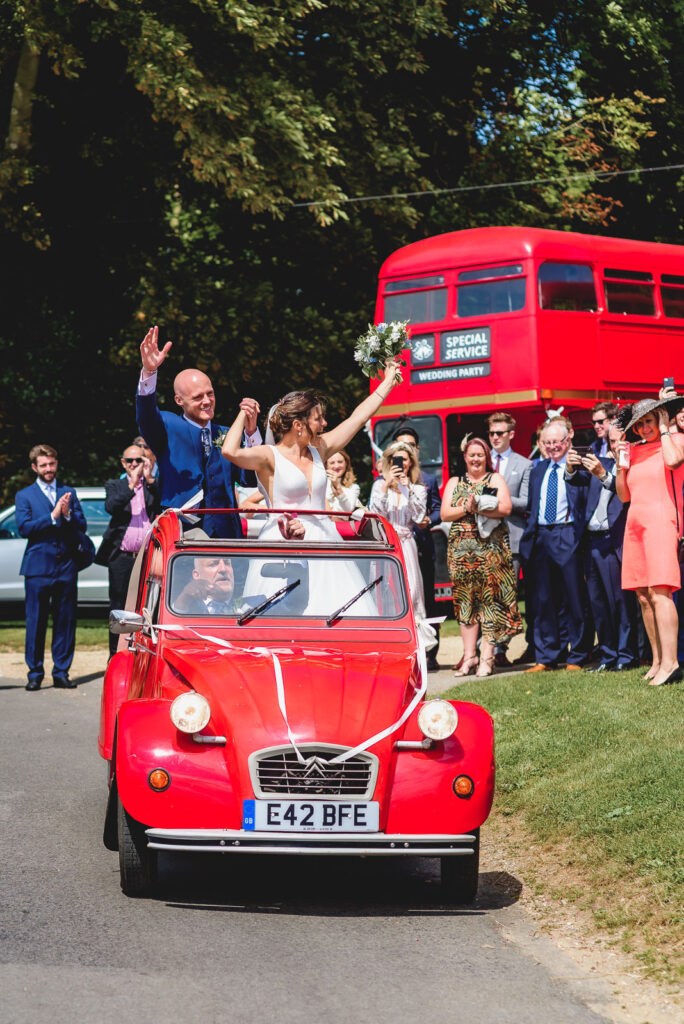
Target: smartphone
point(398, 460)
point(491, 491)
point(582, 449)
point(668, 382)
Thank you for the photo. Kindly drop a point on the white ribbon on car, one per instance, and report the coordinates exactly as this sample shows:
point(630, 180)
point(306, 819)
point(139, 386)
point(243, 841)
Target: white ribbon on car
point(427, 638)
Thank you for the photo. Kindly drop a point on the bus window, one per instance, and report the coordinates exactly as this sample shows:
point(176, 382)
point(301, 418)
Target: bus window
point(673, 297)
point(494, 290)
point(567, 286)
point(418, 307)
point(625, 295)
point(428, 428)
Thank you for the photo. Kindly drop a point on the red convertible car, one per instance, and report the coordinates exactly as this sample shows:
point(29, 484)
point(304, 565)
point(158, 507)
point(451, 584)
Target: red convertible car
point(270, 699)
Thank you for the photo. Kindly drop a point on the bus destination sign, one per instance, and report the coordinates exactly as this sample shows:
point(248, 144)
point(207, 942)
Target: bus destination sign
point(465, 346)
point(436, 374)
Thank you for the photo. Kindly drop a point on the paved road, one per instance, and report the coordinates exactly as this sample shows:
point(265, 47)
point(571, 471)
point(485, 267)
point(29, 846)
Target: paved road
point(236, 940)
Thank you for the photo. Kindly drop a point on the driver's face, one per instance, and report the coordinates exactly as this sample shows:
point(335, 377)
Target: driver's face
point(217, 575)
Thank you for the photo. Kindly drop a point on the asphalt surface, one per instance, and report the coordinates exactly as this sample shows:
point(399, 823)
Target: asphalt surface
point(249, 939)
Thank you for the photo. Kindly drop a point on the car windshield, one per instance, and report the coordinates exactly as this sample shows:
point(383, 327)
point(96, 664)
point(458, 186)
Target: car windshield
point(94, 511)
point(229, 585)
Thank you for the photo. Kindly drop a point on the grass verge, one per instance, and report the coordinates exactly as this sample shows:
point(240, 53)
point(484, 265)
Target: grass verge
point(91, 633)
point(592, 766)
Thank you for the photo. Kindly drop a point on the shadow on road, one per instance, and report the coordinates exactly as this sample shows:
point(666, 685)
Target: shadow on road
point(322, 886)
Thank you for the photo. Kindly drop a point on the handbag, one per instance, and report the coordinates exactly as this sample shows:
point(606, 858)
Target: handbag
point(680, 539)
point(83, 553)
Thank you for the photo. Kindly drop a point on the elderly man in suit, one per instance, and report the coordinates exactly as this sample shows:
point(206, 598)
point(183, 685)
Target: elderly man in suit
point(132, 503)
point(50, 516)
point(188, 450)
point(515, 469)
point(613, 609)
point(551, 545)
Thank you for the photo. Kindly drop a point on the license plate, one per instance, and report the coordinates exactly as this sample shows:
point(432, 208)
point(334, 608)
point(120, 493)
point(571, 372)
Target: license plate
point(310, 816)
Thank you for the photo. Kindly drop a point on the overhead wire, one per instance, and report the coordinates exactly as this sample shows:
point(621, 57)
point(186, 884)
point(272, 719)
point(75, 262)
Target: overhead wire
point(599, 175)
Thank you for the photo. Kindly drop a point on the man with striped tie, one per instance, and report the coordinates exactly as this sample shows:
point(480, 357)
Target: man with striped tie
point(550, 544)
point(191, 467)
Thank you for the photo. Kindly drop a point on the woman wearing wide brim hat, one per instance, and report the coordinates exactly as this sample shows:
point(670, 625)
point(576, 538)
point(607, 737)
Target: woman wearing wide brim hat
point(652, 484)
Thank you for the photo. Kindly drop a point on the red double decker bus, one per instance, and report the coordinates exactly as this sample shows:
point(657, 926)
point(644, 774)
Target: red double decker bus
point(526, 320)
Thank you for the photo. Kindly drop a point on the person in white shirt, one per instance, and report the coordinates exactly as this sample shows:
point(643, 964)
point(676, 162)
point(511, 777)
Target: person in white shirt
point(342, 492)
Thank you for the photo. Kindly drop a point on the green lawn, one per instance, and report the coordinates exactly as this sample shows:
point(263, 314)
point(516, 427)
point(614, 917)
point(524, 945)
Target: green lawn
point(595, 765)
point(91, 631)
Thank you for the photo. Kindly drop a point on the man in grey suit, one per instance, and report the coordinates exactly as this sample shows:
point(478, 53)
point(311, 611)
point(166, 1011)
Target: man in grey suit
point(515, 469)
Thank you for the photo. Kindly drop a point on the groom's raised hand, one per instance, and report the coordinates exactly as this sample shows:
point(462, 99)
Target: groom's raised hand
point(152, 358)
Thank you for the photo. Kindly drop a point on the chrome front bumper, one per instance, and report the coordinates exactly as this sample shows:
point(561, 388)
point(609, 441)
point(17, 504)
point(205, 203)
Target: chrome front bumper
point(339, 844)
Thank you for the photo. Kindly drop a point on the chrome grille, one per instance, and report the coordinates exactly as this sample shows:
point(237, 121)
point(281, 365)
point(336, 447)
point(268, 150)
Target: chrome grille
point(279, 772)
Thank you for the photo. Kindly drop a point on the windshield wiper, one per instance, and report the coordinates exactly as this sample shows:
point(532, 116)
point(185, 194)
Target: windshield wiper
point(269, 601)
point(338, 614)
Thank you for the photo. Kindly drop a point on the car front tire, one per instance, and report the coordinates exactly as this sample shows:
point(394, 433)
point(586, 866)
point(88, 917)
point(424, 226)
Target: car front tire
point(137, 863)
point(460, 875)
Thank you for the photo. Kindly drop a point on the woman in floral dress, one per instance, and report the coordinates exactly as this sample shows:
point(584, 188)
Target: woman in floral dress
point(481, 567)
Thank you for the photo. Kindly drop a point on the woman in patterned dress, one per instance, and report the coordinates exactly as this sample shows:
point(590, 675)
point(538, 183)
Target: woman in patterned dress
point(481, 568)
point(399, 497)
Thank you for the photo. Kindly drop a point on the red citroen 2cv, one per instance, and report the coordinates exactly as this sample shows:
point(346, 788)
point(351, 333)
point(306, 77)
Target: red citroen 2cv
point(271, 700)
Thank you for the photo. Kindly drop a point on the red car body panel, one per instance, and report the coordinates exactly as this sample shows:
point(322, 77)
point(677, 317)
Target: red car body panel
point(343, 685)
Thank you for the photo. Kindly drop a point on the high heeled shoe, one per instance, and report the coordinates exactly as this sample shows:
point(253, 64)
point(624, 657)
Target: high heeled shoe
point(674, 677)
point(466, 665)
point(485, 667)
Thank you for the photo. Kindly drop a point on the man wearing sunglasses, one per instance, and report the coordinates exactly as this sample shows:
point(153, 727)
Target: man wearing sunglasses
point(133, 503)
point(602, 415)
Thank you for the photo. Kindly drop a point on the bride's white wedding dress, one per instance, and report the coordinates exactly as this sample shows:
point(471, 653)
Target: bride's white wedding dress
point(330, 585)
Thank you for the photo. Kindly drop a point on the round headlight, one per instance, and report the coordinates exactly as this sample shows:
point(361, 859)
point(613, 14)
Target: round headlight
point(437, 719)
point(190, 712)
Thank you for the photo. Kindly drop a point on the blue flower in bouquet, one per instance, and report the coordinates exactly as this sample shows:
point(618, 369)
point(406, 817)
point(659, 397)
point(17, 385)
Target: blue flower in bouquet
point(381, 342)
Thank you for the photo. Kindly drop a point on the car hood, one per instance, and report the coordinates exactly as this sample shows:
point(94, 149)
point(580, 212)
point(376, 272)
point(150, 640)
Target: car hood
point(331, 696)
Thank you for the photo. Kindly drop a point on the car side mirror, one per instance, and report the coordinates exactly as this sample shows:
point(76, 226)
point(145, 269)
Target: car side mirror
point(121, 621)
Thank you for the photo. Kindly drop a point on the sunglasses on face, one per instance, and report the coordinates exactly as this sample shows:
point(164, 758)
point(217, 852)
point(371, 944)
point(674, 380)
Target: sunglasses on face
point(133, 462)
point(596, 422)
point(498, 433)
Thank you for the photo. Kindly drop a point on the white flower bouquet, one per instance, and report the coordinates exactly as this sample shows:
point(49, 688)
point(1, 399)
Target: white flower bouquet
point(380, 343)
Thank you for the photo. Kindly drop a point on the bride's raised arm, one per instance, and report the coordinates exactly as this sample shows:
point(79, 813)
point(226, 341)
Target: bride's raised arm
point(339, 437)
point(258, 457)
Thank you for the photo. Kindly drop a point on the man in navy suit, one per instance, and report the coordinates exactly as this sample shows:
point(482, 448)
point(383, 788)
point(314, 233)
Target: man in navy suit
point(191, 466)
point(551, 546)
point(602, 415)
point(613, 609)
point(423, 537)
point(50, 516)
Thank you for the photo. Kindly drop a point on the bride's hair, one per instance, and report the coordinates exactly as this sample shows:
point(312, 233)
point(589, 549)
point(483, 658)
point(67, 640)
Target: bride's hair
point(297, 405)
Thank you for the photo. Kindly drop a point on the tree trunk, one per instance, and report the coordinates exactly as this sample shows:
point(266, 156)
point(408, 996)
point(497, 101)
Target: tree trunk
point(19, 134)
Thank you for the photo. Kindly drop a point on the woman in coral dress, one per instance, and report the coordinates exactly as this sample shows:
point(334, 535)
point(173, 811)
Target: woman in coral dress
point(652, 483)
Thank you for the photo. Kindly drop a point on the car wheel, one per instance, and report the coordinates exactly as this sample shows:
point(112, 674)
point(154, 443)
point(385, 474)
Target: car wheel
point(137, 863)
point(460, 875)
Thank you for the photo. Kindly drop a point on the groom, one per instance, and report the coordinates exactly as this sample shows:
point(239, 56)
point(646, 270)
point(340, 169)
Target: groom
point(190, 462)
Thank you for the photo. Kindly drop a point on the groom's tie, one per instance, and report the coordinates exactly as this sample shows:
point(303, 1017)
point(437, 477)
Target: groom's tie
point(205, 436)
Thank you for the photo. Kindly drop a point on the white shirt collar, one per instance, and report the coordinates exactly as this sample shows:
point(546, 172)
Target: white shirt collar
point(197, 425)
point(502, 455)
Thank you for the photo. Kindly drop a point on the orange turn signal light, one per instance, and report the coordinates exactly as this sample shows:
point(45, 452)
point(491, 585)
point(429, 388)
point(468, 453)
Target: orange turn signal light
point(463, 786)
point(159, 780)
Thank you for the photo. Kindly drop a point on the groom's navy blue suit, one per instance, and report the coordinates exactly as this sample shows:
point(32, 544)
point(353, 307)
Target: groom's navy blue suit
point(50, 577)
point(184, 468)
point(558, 595)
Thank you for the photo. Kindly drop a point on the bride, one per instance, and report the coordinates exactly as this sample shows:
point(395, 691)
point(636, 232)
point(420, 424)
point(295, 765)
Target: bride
point(291, 472)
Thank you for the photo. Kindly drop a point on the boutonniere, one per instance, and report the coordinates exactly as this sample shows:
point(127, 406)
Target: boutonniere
point(219, 439)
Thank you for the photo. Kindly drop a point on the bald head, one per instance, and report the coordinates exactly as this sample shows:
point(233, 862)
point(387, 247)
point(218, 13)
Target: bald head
point(195, 395)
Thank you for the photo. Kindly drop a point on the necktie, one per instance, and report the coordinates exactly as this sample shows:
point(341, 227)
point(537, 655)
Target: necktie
point(51, 496)
point(551, 507)
point(206, 439)
point(218, 608)
point(497, 462)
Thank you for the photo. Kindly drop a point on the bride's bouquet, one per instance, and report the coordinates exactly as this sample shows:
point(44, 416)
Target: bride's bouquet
point(380, 343)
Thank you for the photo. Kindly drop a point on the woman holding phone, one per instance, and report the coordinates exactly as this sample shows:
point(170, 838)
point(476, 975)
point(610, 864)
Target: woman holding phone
point(480, 561)
point(400, 498)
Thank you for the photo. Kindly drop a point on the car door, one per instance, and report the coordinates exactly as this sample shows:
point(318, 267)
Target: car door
point(11, 553)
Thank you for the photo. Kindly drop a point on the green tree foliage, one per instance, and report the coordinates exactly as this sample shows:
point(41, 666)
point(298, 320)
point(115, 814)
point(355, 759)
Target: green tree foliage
point(155, 153)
